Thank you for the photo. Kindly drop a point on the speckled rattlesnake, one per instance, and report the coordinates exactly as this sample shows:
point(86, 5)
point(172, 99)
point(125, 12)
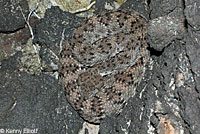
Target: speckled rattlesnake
point(103, 63)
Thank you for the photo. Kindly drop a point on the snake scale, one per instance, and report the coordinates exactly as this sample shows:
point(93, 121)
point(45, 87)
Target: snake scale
point(103, 63)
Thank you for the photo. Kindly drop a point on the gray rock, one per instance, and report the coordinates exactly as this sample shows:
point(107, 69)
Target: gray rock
point(192, 13)
point(34, 102)
point(11, 18)
point(56, 25)
point(163, 30)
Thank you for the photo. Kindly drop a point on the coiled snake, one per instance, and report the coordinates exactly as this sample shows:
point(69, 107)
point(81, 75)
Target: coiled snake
point(103, 63)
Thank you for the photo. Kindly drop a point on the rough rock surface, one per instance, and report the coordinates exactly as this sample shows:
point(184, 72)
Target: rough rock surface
point(51, 32)
point(167, 100)
point(31, 101)
point(54, 28)
point(11, 15)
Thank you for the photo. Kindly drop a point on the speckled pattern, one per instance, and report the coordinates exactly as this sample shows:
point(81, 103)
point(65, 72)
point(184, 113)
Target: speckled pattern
point(103, 63)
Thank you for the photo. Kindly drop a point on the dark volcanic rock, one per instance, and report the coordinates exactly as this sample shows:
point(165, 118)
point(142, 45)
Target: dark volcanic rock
point(170, 100)
point(134, 117)
point(190, 97)
point(160, 8)
point(191, 109)
point(193, 51)
point(139, 6)
point(34, 102)
point(192, 13)
point(193, 38)
point(53, 30)
point(56, 25)
point(163, 30)
point(11, 18)
point(166, 102)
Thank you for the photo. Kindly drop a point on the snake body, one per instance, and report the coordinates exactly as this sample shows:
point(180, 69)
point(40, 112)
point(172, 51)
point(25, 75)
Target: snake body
point(103, 63)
